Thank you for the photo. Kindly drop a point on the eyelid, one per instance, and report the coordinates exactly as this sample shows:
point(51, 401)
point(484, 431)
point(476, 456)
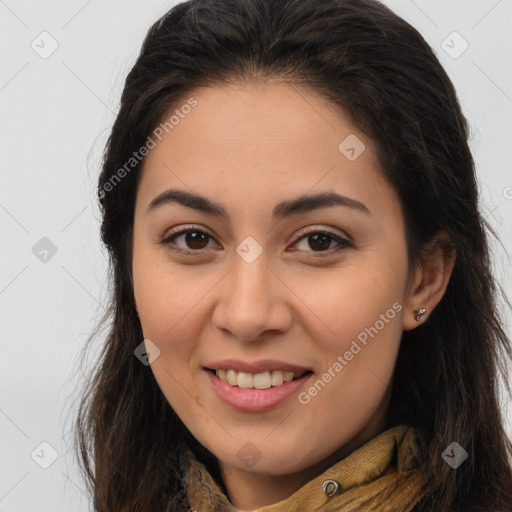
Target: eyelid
point(313, 229)
point(343, 241)
point(183, 230)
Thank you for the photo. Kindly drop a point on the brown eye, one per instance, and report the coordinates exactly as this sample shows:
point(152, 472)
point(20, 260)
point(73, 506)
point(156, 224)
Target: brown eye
point(187, 241)
point(320, 242)
point(196, 239)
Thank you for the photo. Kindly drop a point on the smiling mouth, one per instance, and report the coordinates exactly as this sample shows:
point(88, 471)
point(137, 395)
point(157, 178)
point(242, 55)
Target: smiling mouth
point(263, 380)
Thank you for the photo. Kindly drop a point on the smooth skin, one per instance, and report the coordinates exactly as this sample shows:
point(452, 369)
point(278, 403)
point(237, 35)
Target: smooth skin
point(303, 300)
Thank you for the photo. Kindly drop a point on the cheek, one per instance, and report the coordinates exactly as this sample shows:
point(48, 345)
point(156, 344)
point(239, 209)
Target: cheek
point(345, 301)
point(360, 308)
point(174, 310)
point(365, 328)
point(357, 364)
point(165, 294)
point(168, 301)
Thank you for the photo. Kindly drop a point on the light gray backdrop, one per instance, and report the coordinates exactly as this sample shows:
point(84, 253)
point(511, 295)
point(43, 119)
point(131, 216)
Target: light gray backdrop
point(62, 69)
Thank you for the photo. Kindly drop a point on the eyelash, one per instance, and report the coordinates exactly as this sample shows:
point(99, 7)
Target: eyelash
point(343, 242)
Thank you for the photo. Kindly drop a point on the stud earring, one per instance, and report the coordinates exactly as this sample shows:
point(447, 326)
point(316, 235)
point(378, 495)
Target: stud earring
point(420, 313)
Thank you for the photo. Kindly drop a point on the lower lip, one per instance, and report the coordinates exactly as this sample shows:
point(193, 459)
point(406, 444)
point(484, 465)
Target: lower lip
point(256, 399)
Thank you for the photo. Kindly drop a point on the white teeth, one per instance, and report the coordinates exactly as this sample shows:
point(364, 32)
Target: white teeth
point(288, 376)
point(262, 380)
point(277, 378)
point(245, 380)
point(231, 376)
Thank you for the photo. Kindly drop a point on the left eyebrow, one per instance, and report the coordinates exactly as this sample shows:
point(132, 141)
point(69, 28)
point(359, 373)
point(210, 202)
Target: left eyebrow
point(284, 209)
point(312, 202)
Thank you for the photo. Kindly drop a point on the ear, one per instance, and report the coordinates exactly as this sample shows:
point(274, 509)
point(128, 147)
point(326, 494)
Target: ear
point(430, 280)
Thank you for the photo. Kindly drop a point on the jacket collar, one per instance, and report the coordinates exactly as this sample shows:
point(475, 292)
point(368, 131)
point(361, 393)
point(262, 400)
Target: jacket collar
point(383, 474)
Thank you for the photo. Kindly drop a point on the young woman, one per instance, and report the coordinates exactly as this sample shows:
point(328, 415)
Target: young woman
point(303, 312)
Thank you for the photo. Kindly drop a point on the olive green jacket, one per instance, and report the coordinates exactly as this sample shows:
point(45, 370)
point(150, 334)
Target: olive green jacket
point(382, 476)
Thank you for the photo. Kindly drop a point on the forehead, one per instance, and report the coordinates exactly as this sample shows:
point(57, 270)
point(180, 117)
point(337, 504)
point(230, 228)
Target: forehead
point(246, 116)
point(259, 140)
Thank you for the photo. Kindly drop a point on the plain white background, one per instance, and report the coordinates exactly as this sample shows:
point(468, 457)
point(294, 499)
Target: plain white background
point(56, 113)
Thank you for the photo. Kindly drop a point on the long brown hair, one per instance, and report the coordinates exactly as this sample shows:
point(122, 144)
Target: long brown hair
point(383, 74)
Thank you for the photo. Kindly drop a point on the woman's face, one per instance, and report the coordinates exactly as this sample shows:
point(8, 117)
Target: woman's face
point(294, 261)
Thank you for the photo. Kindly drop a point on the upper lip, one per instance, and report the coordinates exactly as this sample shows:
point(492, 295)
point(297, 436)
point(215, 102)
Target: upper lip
point(256, 366)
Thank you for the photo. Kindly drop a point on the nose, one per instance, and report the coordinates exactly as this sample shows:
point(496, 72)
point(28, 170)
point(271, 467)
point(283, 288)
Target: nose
point(252, 302)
